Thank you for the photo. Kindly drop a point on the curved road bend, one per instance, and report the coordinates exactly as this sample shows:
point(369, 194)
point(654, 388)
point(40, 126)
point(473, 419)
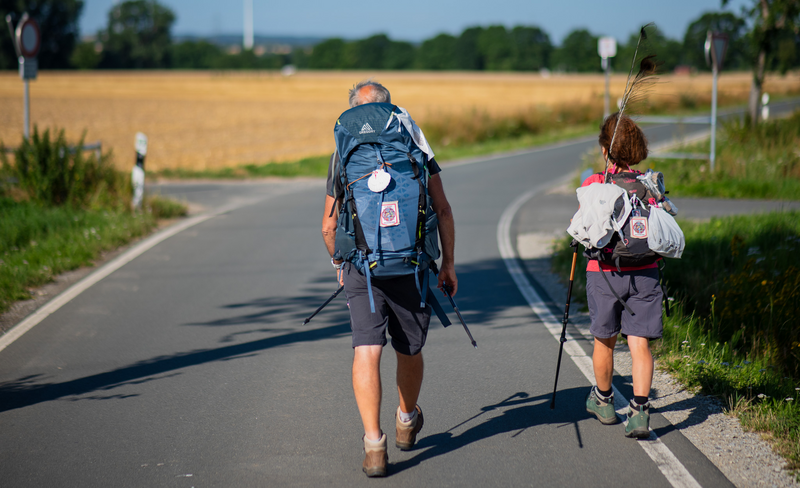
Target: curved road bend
point(189, 365)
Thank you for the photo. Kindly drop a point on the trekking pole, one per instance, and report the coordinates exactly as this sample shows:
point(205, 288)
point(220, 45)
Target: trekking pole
point(329, 300)
point(446, 290)
point(566, 318)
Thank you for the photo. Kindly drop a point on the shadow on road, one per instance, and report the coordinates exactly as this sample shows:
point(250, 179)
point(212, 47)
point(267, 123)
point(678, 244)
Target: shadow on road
point(486, 294)
point(527, 412)
point(29, 390)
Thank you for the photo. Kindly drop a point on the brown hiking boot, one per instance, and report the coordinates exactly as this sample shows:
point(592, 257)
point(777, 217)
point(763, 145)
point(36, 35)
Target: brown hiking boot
point(407, 432)
point(376, 458)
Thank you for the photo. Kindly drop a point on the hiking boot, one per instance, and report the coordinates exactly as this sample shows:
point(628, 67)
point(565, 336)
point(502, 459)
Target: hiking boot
point(376, 457)
point(407, 432)
point(638, 425)
point(601, 408)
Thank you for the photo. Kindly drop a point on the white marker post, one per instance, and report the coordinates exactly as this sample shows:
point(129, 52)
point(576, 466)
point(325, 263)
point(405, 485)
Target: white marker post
point(27, 39)
point(137, 174)
point(715, 47)
point(606, 48)
point(765, 106)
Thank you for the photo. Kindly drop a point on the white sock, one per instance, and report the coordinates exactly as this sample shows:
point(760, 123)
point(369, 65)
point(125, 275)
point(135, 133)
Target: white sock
point(373, 440)
point(407, 417)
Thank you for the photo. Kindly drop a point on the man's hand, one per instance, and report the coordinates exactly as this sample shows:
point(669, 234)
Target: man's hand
point(447, 275)
point(340, 274)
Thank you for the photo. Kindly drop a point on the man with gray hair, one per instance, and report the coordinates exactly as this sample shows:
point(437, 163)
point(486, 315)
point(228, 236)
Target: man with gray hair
point(395, 299)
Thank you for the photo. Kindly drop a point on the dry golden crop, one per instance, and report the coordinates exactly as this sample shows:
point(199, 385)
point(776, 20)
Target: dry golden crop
point(205, 120)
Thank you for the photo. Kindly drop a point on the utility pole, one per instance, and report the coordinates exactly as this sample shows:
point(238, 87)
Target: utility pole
point(248, 25)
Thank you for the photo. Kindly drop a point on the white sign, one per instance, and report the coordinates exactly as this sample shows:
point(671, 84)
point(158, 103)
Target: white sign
point(141, 144)
point(607, 47)
point(28, 68)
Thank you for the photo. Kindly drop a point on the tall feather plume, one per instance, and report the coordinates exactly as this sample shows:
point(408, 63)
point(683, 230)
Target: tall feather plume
point(636, 86)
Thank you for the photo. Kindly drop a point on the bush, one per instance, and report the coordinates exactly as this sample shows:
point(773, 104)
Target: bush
point(51, 172)
point(164, 208)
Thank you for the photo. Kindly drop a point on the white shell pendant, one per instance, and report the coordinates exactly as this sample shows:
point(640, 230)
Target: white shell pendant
point(379, 180)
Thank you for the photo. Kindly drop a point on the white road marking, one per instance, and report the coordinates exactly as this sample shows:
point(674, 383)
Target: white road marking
point(669, 465)
point(73, 291)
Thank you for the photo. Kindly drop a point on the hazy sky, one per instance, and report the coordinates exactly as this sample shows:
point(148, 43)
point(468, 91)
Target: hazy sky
point(415, 20)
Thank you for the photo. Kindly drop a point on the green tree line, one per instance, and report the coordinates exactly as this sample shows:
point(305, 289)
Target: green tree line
point(138, 36)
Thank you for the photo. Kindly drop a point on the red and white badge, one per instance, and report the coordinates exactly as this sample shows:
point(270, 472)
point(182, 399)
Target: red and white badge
point(639, 227)
point(390, 216)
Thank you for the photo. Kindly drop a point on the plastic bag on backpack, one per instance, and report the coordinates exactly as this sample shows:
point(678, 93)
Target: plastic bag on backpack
point(654, 182)
point(665, 236)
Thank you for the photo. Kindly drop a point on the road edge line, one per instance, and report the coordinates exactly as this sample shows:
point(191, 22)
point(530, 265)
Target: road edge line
point(95, 276)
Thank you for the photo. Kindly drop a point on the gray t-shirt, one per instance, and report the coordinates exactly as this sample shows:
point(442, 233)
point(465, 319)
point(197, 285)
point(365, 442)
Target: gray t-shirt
point(334, 185)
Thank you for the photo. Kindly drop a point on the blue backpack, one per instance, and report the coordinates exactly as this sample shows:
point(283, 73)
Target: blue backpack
point(391, 232)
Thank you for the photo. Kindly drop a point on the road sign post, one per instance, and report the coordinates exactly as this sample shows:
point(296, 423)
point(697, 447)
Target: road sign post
point(606, 48)
point(27, 39)
point(715, 48)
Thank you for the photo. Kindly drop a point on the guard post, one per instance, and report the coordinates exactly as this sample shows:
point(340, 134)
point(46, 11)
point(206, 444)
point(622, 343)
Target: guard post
point(137, 174)
point(715, 49)
point(606, 48)
point(27, 40)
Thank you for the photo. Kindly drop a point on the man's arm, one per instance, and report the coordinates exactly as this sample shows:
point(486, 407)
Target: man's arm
point(447, 233)
point(329, 222)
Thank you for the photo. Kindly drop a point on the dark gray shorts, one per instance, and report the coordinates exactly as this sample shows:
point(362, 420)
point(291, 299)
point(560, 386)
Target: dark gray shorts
point(396, 308)
point(640, 290)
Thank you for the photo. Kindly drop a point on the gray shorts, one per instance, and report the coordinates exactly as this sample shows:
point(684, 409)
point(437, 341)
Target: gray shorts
point(640, 290)
point(396, 309)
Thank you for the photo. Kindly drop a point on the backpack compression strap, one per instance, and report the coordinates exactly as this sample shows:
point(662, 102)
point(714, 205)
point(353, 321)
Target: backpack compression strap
point(421, 218)
point(437, 308)
point(361, 241)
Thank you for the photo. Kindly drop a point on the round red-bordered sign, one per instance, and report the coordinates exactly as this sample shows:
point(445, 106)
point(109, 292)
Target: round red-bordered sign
point(29, 37)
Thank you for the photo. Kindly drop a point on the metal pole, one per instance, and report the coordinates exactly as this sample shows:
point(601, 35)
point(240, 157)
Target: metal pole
point(713, 153)
point(27, 122)
point(248, 25)
point(563, 339)
point(606, 100)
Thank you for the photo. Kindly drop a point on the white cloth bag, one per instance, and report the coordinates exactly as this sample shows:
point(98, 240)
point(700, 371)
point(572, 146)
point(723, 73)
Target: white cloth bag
point(594, 223)
point(665, 236)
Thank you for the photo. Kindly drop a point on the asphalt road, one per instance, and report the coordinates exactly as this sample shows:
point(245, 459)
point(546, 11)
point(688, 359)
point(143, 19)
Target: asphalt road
point(189, 366)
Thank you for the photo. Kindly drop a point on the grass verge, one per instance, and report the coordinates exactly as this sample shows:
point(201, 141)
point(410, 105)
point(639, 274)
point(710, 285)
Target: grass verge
point(760, 163)
point(37, 243)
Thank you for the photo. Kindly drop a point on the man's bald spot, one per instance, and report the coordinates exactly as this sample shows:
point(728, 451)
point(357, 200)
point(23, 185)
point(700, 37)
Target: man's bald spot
point(367, 94)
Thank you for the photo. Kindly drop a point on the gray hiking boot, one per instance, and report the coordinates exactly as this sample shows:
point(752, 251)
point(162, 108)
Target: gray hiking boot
point(638, 425)
point(407, 432)
point(602, 408)
point(376, 457)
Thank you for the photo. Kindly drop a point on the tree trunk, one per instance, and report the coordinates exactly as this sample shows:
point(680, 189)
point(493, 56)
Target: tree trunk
point(754, 104)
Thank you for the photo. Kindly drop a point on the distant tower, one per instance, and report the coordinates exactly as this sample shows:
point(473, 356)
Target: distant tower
point(248, 24)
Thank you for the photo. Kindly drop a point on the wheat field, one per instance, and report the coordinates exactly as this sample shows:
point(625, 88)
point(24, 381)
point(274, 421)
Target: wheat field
point(208, 120)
